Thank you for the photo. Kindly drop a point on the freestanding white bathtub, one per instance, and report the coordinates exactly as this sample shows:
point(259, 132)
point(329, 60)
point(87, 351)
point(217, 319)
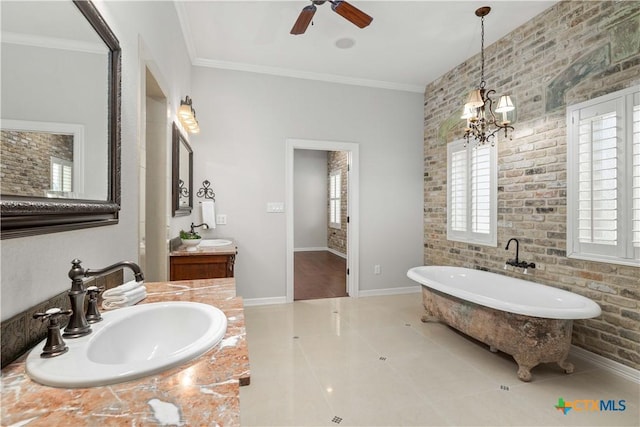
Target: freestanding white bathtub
point(530, 321)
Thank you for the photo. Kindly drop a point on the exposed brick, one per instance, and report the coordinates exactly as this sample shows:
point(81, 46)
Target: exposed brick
point(596, 286)
point(630, 293)
point(630, 314)
point(630, 356)
point(30, 175)
point(532, 166)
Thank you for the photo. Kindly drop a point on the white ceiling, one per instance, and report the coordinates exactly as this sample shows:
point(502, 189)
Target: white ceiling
point(408, 45)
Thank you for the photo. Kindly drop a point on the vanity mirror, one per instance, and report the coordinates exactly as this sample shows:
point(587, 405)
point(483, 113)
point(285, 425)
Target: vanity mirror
point(60, 123)
point(182, 175)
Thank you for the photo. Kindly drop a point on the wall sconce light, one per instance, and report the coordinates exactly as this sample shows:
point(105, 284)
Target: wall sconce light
point(187, 116)
point(482, 124)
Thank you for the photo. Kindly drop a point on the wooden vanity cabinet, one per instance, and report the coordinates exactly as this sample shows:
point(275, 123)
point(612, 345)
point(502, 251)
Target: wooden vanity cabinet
point(201, 266)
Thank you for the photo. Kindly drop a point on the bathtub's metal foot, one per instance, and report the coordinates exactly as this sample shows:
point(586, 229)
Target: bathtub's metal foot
point(524, 373)
point(568, 367)
point(427, 318)
point(492, 349)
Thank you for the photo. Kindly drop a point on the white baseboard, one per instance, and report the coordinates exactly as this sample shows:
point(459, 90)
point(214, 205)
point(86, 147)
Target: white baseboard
point(311, 249)
point(389, 291)
point(340, 254)
point(610, 365)
point(327, 249)
point(264, 301)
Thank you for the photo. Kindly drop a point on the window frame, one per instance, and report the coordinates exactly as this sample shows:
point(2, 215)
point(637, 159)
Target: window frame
point(468, 235)
point(623, 253)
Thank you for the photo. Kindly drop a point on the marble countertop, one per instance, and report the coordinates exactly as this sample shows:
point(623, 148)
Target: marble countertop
point(230, 249)
point(202, 392)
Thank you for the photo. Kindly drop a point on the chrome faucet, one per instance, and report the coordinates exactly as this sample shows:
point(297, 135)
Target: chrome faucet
point(193, 227)
point(78, 325)
point(516, 262)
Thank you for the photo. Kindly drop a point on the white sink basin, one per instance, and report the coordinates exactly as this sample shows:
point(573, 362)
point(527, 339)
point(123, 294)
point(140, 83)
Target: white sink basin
point(214, 242)
point(132, 342)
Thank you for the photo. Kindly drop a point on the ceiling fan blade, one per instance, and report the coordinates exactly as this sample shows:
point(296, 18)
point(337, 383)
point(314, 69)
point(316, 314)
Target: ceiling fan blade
point(351, 13)
point(304, 19)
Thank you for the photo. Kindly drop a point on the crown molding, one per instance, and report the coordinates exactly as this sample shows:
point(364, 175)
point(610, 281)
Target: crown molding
point(54, 43)
point(308, 75)
point(181, 10)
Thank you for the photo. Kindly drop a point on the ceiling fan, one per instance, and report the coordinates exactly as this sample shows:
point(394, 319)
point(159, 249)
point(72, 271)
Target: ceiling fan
point(342, 8)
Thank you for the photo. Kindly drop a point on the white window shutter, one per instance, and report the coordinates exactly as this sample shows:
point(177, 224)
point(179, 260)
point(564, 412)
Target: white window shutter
point(472, 193)
point(603, 165)
point(458, 196)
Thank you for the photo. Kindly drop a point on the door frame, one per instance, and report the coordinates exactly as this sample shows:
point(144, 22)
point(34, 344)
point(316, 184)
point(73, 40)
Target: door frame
point(146, 62)
point(353, 190)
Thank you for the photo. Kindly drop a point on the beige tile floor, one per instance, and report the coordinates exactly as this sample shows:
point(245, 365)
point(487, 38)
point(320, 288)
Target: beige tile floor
point(371, 362)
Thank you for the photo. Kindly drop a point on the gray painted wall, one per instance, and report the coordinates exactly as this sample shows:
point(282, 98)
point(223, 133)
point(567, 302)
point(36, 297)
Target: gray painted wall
point(245, 119)
point(310, 199)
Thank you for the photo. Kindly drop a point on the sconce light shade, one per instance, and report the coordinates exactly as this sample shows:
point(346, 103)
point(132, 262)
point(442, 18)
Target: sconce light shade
point(184, 111)
point(187, 116)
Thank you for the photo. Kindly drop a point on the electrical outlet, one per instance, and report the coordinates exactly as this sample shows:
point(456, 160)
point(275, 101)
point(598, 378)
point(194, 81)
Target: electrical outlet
point(376, 269)
point(221, 219)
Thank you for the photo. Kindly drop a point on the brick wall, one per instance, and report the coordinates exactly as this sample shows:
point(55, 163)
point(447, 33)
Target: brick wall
point(572, 52)
point(26, 160)
point(337, 238)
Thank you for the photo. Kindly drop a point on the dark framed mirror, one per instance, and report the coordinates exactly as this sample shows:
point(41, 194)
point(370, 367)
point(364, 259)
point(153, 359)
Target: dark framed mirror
point(60, 124)
point(182, 174)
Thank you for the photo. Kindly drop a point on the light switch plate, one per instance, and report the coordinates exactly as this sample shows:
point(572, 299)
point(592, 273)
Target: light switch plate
point(221, 219)
point(275, 207)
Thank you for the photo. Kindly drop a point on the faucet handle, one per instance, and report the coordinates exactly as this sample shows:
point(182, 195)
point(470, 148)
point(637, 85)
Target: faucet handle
point(54, 345)
point(52, 314)
point(93, 315)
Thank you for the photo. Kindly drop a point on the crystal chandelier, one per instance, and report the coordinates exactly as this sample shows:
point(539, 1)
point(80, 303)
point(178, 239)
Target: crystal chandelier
point(482, 124)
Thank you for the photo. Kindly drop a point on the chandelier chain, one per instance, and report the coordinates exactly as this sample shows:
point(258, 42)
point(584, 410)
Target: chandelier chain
point(482, 82)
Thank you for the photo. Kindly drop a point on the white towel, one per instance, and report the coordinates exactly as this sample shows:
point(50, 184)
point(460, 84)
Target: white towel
point(124, 299)
point(119, 290)
point(209, 213)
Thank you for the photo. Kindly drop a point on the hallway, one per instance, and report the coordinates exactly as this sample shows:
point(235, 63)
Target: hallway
point(319, 274)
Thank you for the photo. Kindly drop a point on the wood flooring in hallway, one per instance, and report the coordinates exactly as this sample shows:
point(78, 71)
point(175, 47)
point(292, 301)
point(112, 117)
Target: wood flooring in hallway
point(319, 274)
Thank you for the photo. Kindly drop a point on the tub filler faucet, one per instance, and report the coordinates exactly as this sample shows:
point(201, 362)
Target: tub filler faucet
point(78, 325)
point(515, 262)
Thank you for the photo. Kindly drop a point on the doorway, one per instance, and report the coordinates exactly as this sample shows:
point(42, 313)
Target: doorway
point(320, 265)
point(153, 183)
point(320, 197)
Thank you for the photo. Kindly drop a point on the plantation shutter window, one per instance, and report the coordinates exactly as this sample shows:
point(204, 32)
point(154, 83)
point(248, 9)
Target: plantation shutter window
point(604, 178)
point(335, 205)
point(61, 175)
point(458, 196)
point(472, 193)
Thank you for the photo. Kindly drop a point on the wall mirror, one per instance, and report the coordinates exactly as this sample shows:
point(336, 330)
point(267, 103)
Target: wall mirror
point(182, 174)
point(60, 118)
